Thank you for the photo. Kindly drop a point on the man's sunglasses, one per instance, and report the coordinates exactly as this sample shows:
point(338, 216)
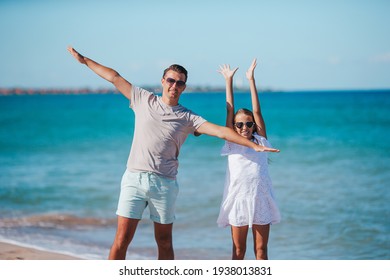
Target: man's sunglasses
point(241, 124)
point(171, 82)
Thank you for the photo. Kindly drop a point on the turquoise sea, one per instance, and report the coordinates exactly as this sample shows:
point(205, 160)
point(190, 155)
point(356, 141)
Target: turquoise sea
point(62, 158)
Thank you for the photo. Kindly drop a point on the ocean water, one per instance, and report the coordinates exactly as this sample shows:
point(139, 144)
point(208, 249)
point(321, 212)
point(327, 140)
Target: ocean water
point(62, 158)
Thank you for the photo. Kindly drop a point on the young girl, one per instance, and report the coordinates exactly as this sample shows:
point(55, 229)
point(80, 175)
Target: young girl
point(248, 200)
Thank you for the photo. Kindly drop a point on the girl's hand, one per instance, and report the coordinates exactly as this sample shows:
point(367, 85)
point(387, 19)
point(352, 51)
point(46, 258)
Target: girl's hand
point(226, 72)
point(250, 75)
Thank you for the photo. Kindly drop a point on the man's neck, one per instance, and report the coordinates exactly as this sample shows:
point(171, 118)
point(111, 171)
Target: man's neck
point(170, 102)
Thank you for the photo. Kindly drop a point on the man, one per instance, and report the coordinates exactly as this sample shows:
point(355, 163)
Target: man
point(161, 127)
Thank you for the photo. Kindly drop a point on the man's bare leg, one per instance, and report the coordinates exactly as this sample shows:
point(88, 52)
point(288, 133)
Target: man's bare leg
point(163, 236)
point(124, 235)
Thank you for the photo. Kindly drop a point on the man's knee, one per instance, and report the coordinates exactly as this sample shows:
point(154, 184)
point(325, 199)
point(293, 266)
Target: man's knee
point(165, 238)
point(122, 241)
point(163, 235)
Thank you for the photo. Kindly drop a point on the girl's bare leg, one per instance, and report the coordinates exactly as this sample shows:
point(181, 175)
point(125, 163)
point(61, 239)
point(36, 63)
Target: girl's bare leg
point(239, 236)
point(260, 240)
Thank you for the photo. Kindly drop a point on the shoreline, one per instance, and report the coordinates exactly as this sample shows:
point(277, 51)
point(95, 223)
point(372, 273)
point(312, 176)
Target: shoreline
point(9, 251)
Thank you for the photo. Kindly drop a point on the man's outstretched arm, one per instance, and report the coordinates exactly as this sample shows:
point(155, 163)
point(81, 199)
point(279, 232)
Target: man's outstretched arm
point(105, 72)
point(230, 135)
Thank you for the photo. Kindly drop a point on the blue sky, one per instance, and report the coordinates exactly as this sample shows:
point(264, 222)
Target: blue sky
point(333, 44)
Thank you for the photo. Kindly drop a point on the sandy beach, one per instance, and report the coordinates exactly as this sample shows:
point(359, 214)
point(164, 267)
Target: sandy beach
point(15, 252)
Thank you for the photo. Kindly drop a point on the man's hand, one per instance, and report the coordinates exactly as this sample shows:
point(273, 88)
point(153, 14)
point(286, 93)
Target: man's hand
point(260, 148)
point(80, 58)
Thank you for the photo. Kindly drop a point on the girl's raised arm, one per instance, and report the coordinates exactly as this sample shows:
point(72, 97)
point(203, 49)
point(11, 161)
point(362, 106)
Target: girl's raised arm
point(259, 120)
point(228, 74)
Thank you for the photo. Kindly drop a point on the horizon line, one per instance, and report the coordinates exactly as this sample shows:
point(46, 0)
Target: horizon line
point(157, 89)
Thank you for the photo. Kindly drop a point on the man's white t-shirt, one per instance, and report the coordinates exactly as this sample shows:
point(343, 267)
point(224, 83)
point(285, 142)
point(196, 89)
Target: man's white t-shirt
point(159, 132)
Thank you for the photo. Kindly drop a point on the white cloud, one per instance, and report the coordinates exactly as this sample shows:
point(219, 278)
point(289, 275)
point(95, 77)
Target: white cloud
point(381, 58)
point(334, 60)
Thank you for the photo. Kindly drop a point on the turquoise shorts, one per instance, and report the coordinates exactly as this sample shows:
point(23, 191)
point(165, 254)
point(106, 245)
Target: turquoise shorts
point(147, 189)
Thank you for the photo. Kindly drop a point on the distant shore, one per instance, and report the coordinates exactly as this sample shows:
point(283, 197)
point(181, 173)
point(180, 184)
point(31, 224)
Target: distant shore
point(75, 91)
point(157, 90)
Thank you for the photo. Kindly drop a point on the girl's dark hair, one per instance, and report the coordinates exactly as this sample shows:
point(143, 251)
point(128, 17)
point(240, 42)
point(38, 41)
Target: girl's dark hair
point(177, 68)
point(248, 113)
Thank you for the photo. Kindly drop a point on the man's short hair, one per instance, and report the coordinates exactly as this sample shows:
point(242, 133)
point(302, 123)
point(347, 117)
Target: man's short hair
point(177, 68)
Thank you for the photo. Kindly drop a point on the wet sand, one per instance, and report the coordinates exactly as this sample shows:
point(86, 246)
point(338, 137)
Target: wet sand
point(15, 252)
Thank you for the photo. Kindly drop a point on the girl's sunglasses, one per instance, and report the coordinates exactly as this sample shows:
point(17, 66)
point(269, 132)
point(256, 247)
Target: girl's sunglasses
point(241, 124)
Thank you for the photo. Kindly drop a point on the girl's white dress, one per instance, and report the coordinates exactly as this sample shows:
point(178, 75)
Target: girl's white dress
point(248, 195)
